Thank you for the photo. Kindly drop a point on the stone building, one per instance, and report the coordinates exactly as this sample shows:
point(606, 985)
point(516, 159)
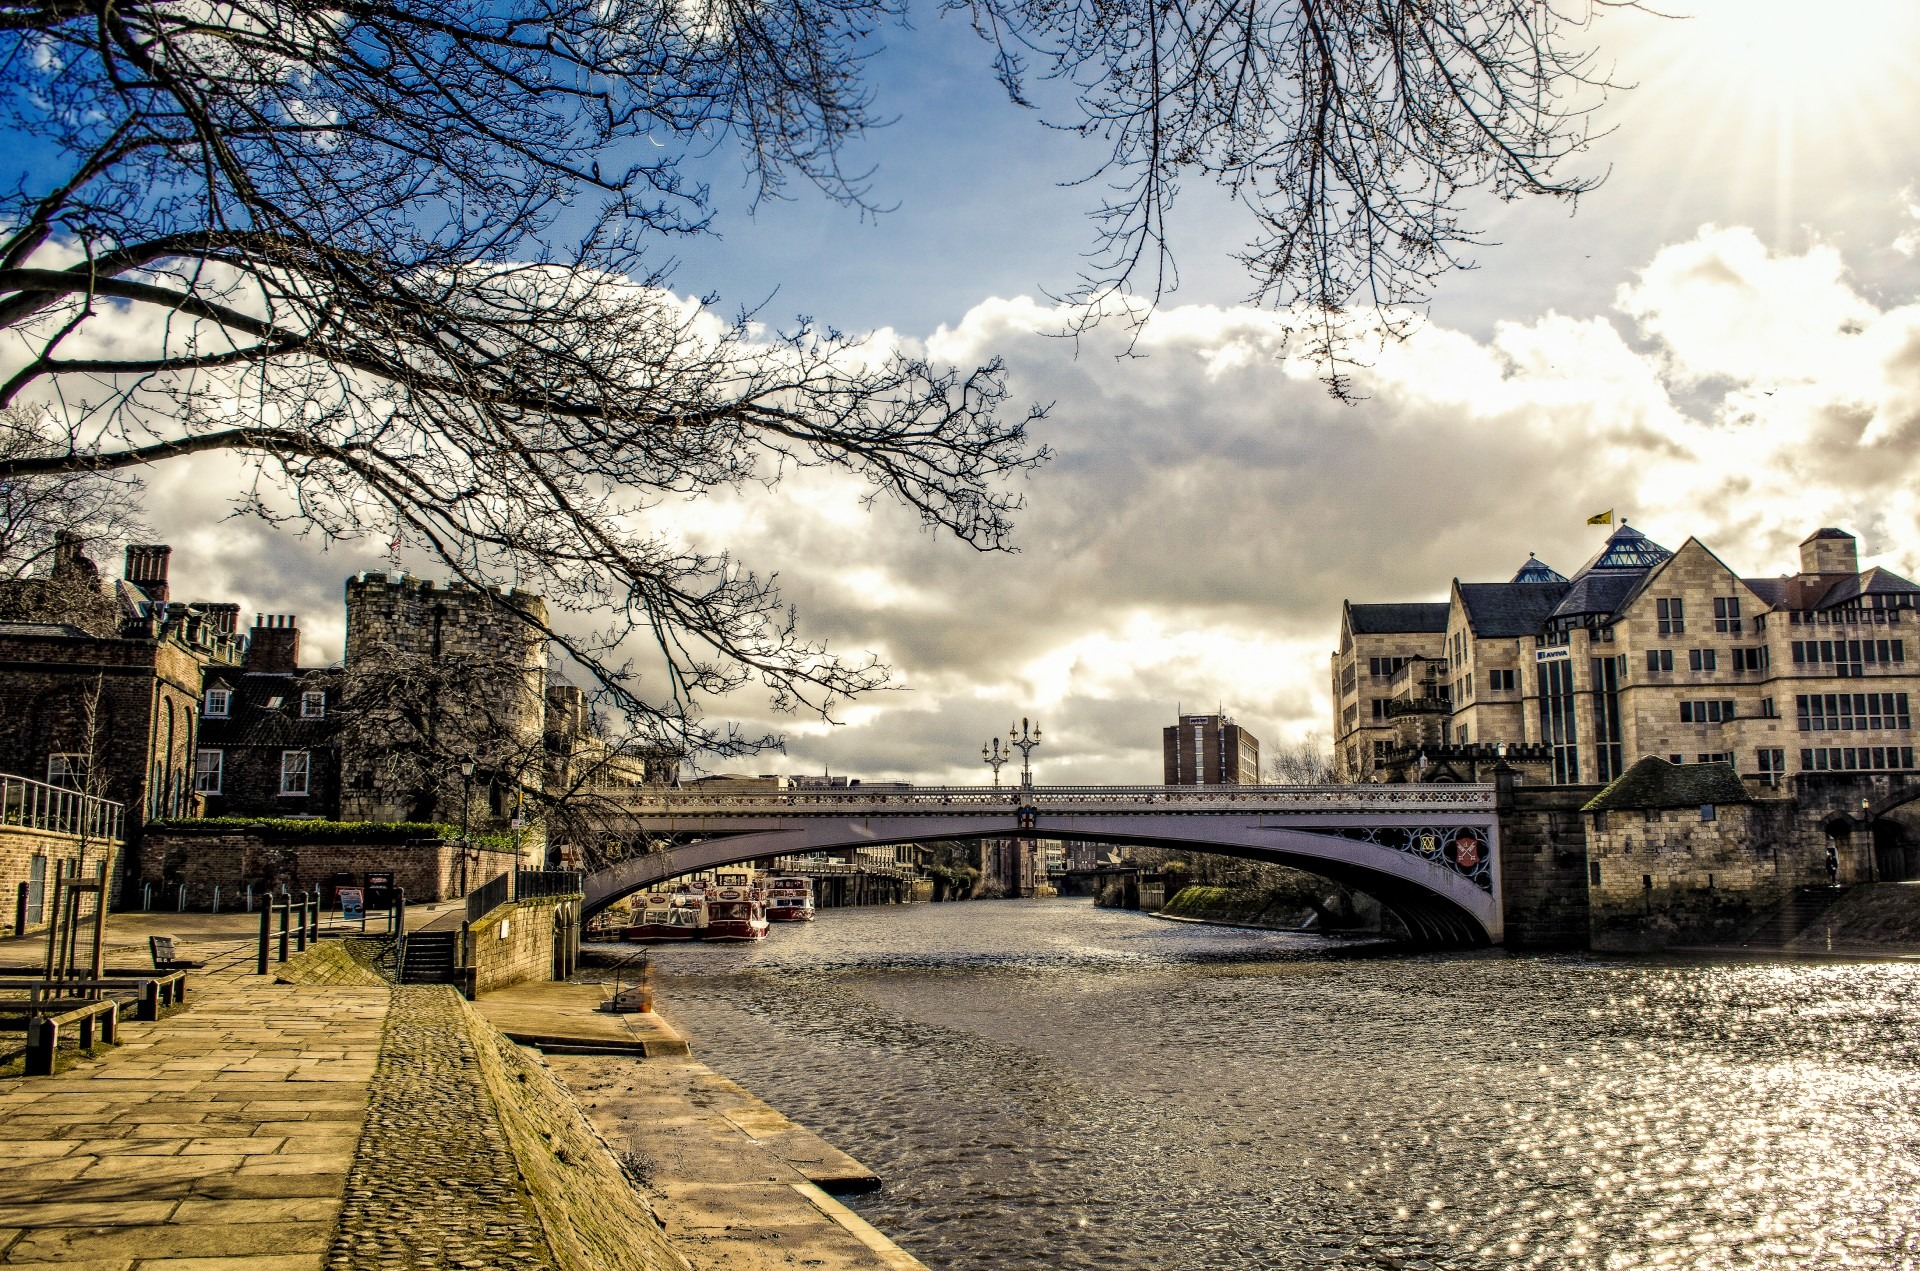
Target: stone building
point(269, 731)
point(111, 709)
point(1643, 651)
point(1209, 750)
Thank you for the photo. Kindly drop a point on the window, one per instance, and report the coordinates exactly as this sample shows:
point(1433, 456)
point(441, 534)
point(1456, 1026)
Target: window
point(1708, 812)
point(208, 767)
point(217, 703)
point(313, 705)
point(1380, 668)
point(1702, 660)
point(1712, 712)
point(1714, 756)
point(1672, 615)
point(1379, 708)
point(1659, 659)
point(294, 772)
point(1856, 758)
point(68, 770)
point(1501, 681)
point(1772, 760)
point(1750, 659)
point(1849, 712)
point(1726, 614)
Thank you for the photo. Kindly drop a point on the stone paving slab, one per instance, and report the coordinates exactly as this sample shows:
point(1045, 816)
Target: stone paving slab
point(204, 1141)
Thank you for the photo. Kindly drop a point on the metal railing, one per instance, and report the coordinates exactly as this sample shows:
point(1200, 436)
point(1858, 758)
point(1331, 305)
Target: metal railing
point(529, 883)
point(1329, 798)
point(486, 898)
point(39, 806)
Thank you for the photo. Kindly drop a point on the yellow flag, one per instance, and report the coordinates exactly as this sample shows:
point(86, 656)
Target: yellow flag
point(1604, 518)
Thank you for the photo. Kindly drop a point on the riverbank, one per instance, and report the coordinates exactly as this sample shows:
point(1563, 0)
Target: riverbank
point(322, 1119)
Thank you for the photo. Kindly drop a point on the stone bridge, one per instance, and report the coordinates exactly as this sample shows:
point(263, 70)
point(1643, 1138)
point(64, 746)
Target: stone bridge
point(1429, 853)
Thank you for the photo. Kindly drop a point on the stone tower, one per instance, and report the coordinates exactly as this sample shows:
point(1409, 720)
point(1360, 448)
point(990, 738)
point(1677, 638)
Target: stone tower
point(463, 665)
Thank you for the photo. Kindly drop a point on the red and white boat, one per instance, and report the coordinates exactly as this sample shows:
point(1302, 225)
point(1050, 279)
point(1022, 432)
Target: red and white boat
point(790, 900)
point(668, 916)
point(736, 914)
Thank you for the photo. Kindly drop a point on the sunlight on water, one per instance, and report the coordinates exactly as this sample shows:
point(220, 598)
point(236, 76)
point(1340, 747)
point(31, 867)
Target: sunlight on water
point(1044, 1084)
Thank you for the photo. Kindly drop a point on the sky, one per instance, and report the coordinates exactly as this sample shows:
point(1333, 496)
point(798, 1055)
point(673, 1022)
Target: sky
point(1722, 341)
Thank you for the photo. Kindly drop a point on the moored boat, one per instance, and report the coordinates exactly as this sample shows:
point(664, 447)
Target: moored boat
point(666, 916)
point(735, 914)
point(790, 900)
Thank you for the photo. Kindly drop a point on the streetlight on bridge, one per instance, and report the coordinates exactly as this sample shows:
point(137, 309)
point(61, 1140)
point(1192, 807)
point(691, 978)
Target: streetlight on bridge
point(995, 757)
point(1024, 743)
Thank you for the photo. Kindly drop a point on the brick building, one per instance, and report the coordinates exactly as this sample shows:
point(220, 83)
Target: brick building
point(269, 731)
point(1209, 750)
point(1646, 651)
point(1388, 653)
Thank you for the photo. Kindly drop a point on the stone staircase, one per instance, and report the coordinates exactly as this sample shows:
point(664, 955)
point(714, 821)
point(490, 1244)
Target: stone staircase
point(1801, 911)
point(430, 958)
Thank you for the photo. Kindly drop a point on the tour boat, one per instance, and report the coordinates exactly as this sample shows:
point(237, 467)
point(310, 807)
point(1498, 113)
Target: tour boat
point(790, 900)
point(668, 916)
point(735, 913)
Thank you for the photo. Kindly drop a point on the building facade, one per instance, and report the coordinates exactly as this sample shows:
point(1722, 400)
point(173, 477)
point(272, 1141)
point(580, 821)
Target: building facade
point(1209, 750)
point(1646, 651)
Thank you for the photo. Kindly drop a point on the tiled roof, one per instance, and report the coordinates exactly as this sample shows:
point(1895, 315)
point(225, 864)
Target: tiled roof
point(1398, 618)
point(1655, 783)
point(1826, 532)
point(1498, 610)
point(61, 630)
point(252, 719)
point(1771, 590)
point(1874, 582)
point(1601, 592)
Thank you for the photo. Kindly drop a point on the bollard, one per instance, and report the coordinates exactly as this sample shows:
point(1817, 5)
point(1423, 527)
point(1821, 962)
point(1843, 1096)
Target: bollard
point(266, 933)
point(182, 906)
point(146, 897)
point(216, 898)
point(400, 911)
point(20, 909)
point(313, 916)
point(300, 928)
point(249, 897)
point(286, 916)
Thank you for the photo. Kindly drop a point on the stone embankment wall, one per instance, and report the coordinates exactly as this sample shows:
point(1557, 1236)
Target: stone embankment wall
point(232, 858)
point(1543, 867)
point(595, 1217)
point(19, 847)
point(520, 941)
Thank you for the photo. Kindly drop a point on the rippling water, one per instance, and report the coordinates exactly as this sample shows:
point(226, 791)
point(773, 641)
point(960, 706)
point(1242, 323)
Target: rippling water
point(1044, 1084)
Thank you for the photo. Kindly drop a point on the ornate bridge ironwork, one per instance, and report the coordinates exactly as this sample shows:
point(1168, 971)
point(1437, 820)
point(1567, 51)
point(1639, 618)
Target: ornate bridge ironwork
point(1429, 853)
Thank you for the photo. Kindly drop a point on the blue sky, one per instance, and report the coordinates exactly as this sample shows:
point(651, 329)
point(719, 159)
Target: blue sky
point(1724, 342)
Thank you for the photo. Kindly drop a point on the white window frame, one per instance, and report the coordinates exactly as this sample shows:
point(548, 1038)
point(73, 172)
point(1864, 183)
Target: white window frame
point(296, 773)
point(313, 704)
point(218, 704)
point(67, 769)
point(209, 763)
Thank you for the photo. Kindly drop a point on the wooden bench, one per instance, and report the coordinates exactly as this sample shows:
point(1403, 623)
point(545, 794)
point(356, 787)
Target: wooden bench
point(46, 1018)
point(165, 958)
point(166, 989)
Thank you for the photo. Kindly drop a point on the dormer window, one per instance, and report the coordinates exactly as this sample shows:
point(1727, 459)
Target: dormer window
point(313, 705)
point(219, 702)
point(274, 703)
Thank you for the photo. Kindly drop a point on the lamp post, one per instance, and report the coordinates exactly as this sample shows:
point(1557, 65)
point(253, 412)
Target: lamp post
point(995, 757)
point(466, 812)
point(1024, 743)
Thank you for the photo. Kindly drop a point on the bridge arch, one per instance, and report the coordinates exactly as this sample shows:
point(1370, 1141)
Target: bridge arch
point(1438, 905)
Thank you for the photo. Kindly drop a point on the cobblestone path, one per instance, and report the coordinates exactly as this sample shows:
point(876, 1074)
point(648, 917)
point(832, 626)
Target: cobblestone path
point(433, 1183)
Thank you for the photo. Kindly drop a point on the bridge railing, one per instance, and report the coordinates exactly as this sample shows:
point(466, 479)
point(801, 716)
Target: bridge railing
point(1458, 797)
point(39, 806)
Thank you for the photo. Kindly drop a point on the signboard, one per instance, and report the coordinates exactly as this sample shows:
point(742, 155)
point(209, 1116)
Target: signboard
point(1553, 655)
point(353, 904)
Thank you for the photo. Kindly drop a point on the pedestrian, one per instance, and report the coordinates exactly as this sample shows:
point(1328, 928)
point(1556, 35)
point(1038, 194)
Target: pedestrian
point(1833, 866)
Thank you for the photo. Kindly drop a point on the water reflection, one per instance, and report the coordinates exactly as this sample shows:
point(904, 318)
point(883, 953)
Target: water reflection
point(1046, 1084)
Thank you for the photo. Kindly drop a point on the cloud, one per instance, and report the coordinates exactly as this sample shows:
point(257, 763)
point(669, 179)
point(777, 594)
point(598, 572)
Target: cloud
point(1211, 507)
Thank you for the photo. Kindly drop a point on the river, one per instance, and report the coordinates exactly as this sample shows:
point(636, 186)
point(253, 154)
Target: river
point(1046, 1084)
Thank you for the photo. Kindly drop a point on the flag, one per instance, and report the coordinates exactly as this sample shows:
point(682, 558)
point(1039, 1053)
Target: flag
point(1603, 518)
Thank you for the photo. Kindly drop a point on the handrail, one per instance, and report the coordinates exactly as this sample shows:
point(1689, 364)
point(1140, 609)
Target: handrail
point(1351, 798)
point(56, 809)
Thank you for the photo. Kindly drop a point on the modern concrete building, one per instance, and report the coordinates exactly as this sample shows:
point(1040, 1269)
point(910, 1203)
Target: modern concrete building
point(1644, 651)
point(1209, 750)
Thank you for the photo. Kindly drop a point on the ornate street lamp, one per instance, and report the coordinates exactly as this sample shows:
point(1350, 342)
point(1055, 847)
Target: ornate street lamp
point(995, 757)
point(1024, 743)
point(466, 809)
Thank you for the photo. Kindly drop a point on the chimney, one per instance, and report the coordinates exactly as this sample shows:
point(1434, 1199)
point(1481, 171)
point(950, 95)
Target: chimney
point(274, 644)
point(223, 619)
point(1829, 551)
point(147, 568)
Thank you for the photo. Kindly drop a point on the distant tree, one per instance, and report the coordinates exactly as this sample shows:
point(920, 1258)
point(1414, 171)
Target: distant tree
point(403, 256)
point(89, 510)
point(1306, 761)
